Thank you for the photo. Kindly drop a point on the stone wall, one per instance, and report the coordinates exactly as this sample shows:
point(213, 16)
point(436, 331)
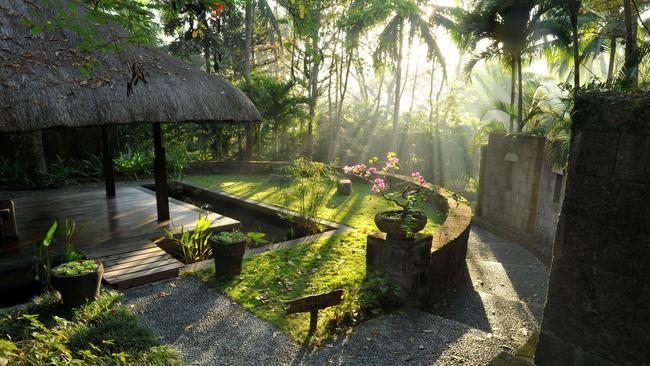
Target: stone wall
point(597, 309)
point(520, 191)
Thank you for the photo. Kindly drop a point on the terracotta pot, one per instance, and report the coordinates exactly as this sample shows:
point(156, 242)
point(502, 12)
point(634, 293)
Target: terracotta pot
point(390, 222)
point(228, 257)
point(80, 289)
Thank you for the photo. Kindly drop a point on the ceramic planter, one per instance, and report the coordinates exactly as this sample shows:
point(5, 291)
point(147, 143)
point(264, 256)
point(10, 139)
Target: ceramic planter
point(79, 289)
point(228, 257)
point(390, 222)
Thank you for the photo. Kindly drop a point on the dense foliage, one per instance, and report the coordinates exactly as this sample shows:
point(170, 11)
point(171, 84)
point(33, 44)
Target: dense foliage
point(348, 80)
point(104, 332)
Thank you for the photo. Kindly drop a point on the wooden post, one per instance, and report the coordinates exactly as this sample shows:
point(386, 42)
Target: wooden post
point(160, 174)
point(8, 229)
point(109, 178)
point(313, 321)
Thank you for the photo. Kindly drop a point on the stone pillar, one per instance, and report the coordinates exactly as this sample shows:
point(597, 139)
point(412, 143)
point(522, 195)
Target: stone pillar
point(598, 306)
point(404, 262)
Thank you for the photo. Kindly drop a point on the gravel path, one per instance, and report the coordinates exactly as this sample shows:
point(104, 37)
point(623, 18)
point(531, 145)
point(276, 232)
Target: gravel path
point(495, 311)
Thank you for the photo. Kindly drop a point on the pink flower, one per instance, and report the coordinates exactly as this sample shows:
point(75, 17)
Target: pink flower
point(371, 170)
point(355, 169)
point(379, 185)
point(420, 179)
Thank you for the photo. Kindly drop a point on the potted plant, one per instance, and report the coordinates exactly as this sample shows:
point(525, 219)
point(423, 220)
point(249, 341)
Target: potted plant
point(228, 249)
point(78, 281)
point(404, 223)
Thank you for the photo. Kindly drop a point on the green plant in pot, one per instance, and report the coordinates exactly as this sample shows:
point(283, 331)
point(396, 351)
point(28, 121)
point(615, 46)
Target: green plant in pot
point(78, 281)
point(404, 223)
point(228, 248)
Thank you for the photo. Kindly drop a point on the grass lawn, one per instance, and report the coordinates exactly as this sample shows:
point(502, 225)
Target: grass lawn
point(269, 279)
point(104, 332)
point(357, 210)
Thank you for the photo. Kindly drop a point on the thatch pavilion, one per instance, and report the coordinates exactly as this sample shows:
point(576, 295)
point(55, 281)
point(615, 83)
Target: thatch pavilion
point(42, 86)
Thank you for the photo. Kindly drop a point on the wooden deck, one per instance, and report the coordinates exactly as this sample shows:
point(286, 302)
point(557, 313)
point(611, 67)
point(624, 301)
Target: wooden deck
point(117, 231)
point(136, 262)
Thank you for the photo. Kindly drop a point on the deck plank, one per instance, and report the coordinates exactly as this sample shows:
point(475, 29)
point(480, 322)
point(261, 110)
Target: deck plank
point(126, 252)
point(142, 274)
point(128, 268)
point(116, 231)
point(130, 263)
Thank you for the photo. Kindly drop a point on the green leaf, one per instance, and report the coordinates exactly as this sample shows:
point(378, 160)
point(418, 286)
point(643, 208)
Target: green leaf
point(257, 237)
point(49, 237)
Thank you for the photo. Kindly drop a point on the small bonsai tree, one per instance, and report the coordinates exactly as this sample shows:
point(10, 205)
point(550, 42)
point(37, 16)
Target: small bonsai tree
point(410, 199)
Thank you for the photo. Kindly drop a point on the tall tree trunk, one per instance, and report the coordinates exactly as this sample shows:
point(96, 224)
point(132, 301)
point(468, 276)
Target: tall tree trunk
point(434, 128)
point(520, 99)
point(631, 65)
point(36, 162)
point(206, 57)
point(240, 150)
point(381, 85)
point(277, 141)
point(248, 49)
point(398, 84)
point(431, 104)
point(258, 139)
point(513, 83)
point(415, 79)
point(339, 110)
point(612, 59)
point(576, 45)
point(248, 40)
point(362, 77)
point(314, 81)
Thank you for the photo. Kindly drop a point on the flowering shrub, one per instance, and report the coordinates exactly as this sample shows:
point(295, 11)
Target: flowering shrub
point(410, 199)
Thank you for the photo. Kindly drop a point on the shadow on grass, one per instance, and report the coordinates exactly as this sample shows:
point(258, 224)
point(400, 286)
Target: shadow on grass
point(270, 279)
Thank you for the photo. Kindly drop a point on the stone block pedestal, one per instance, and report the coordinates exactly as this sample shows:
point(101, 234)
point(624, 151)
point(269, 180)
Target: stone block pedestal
point(404, 262)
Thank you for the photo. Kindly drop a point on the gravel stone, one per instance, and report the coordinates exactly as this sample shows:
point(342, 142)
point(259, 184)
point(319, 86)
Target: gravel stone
point(495, 311)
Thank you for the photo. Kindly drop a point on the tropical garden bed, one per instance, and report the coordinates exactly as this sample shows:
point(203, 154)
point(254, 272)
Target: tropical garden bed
point(270, 279)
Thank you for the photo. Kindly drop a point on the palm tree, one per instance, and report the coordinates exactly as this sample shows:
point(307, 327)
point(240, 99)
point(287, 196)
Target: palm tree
point(514, 29)
point(277, 103)
point(397, 17)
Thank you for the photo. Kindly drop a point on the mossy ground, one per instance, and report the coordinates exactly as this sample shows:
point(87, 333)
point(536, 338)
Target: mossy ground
point(271, 278)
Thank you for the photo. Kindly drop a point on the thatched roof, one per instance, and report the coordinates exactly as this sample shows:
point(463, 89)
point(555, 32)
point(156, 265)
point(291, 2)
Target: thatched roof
point(42, 86)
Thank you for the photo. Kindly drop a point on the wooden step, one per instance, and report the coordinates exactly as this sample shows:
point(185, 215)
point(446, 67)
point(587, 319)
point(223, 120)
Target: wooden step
point(139, 263)
point(143, 277)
